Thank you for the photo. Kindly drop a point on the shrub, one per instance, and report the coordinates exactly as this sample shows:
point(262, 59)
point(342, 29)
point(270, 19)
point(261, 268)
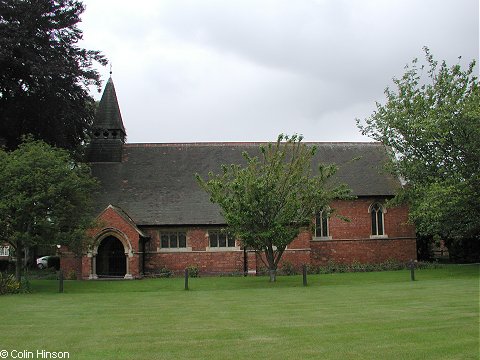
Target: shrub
point(6, 265)
point(333, 267)
point(165, 272)
point(357, 266)
point(428, 265)
point(45, 274)
point(193, 271)
point(8, 284)
point(71, 275)
point(288, 268)
point(464, 250)
point(162, 272)
point(425, 246)
point(262, 270)
point(53, 262)
point(24, 285)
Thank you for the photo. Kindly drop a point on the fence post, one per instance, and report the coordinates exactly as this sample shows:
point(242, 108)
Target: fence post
point(186, 279)
point(60, 281)
point(412, 270)
point(304, 268)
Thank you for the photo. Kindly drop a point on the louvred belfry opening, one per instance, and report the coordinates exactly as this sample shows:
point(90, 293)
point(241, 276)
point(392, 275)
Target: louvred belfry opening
point(108, 136)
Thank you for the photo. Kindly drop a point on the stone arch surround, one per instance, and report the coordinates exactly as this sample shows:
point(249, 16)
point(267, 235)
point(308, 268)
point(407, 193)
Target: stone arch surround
point(123, 238)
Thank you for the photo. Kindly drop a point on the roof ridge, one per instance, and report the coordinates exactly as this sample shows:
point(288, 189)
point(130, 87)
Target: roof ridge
point(246, 143)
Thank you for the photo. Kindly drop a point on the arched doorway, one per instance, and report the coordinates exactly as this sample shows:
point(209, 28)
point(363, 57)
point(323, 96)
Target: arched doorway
point(111, 258)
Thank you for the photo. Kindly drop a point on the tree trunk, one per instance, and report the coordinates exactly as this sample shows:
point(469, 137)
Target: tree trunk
point(18, 262)
point(272, 267)
point(273, 275)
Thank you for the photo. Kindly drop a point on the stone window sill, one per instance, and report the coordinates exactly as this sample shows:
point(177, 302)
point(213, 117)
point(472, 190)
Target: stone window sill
point(378, 236)
point(321, 238)
point(174, 250)
point(220, 249)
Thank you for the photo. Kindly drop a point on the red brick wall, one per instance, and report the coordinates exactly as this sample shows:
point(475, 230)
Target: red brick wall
point(296, 258)
point(296, 254)
point(108, 219)
point(350, 241)
point(111, 219)
point(69, 263)
point(197, 239)
point(359, 224)
point(363, 251)
point(134, 265)
point(86, 266)
point(208, 262)
point(302, 241)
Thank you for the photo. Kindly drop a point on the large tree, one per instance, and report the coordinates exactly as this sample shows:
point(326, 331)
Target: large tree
point(45, 198)
point(431, 121)
point(44, 73)
point(267, 201)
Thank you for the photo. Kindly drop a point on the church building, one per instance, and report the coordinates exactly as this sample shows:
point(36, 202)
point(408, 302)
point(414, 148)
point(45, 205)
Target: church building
point(152, 216)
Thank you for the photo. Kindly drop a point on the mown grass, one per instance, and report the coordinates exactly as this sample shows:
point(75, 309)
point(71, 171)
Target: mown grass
point(380, 315)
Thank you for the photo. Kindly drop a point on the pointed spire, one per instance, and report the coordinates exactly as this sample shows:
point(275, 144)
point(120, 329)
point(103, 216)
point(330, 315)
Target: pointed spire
point(108, 118)
point(108, 130)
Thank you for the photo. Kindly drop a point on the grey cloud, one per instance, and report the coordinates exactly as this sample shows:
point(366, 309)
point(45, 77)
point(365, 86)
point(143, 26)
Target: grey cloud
point(267, 66)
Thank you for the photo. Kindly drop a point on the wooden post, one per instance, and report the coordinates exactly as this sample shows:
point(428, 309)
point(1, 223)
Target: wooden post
point(245, 261)
point(412, 270)
point(60, 281)
point(304, 268)
point(186, 279)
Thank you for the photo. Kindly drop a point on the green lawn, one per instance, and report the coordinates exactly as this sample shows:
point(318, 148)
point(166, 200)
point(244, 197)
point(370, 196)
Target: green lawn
point(380, 315)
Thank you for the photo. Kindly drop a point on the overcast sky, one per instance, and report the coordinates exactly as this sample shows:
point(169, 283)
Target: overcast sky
point(247, 70)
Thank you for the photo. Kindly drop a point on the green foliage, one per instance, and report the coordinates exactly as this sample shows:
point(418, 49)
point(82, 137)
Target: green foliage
point(71, 275)
point(5, 265)
point(53, 262)
point(266, 202)
point(193, 271)
point(288, 268)
point(44, 74)
point(45, 197)
point(390, 265)
point(464, 250)
point(8, 284)
point(431, 121)
point(43, 274)
point(25, 286)
point(162, 272)
point(425, 245)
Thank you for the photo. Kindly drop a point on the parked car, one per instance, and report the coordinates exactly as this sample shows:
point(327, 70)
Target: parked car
point(42, 262)
point(48, 262)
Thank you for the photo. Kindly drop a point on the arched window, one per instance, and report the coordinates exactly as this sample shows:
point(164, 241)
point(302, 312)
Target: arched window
point(376, 211)
point(321, 225)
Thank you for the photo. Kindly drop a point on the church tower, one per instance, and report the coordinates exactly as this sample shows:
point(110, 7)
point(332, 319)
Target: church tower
point(108, 131)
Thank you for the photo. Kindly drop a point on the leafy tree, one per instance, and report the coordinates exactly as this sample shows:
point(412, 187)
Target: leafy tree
point(267, 201)
point(45, 198)
point(431, 121)
point(44, 74)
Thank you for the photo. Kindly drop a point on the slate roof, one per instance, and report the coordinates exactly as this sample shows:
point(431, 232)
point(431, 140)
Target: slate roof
point(108, 114)
point(155, 183)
